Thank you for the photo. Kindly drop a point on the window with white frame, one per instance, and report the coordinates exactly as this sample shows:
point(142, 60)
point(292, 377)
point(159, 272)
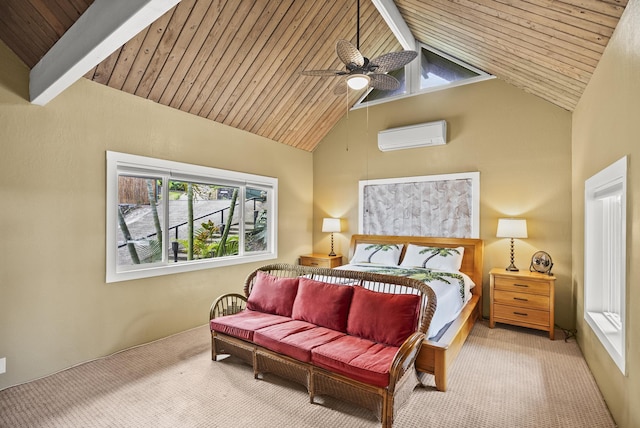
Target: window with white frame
point(165, 217)
point(605, 258)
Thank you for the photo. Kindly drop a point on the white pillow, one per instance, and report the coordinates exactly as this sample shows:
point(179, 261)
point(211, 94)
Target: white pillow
point(448, 259)
point(382, 254)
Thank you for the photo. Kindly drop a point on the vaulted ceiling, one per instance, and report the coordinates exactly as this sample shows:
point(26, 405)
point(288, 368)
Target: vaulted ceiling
point(237, 62)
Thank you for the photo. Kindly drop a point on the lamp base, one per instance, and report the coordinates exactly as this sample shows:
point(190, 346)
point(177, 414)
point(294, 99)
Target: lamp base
point(512, 268)
point(332, 253)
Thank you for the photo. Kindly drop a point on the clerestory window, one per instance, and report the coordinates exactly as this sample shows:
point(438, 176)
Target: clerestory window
point(434, 70)
point(438, 69)
point(166, 217)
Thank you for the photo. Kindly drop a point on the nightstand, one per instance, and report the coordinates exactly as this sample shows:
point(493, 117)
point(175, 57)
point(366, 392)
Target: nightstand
point(321, 260)
point(522, 298)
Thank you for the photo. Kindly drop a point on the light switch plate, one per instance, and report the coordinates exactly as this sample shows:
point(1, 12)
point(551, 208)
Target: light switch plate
point(3, 365)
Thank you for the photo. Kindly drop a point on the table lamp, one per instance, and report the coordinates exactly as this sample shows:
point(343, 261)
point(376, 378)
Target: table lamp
point(331, 225)
point(512, 228)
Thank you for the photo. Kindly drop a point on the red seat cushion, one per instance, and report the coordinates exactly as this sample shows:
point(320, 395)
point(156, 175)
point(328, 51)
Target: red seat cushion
point(323, 304)
point(383, 317)
point(295, 338)
point(272, 294)
point(356, 358)
point(243, 324)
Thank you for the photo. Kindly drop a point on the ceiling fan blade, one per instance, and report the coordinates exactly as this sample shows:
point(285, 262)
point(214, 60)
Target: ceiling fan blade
point(340, 88)
point(383, 82)
point(393, 61)
point(348, 53)
point(323, 72)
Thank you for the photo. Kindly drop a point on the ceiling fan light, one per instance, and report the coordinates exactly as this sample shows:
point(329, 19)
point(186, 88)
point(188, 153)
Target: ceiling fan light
point(358, 81)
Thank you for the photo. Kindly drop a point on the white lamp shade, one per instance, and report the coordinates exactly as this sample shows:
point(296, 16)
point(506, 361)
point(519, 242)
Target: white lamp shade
point(331, 225)
point(358, 81)
point(512, 228)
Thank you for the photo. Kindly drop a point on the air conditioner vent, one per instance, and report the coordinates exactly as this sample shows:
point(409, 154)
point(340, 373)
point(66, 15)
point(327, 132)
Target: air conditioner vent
point(409, 137)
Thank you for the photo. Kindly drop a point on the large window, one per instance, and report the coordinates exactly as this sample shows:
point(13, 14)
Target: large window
point(605, 258)
point(165, 217)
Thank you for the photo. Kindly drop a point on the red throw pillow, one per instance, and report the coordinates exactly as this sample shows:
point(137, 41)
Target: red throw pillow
point(272, 294)
point(383, 317)
point(323, 304)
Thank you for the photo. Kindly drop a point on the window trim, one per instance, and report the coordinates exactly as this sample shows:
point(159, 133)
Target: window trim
point(611, 181)
point(140, 165)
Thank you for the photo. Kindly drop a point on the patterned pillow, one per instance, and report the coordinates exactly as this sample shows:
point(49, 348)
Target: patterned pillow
point(449, 259)
point(382, 254)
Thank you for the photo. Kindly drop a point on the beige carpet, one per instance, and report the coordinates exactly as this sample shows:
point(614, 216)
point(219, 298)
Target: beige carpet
point(504, 377)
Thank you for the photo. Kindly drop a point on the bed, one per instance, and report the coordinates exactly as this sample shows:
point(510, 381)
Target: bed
point(447, 335)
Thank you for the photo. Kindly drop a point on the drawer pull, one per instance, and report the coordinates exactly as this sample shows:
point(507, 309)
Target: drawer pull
point(521, 299)
point(521, 314)
point(521, 285)
point(313, 264)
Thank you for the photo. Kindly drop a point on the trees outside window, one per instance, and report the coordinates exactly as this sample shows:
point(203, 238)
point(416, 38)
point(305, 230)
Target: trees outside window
point(165, 217)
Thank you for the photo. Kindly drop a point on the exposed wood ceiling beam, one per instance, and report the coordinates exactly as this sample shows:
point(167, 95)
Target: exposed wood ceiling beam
point(103, 28)
point(396, 23)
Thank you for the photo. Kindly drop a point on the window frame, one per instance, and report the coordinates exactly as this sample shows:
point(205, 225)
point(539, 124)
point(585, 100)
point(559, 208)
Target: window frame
point(605, 277)
point(123, 163)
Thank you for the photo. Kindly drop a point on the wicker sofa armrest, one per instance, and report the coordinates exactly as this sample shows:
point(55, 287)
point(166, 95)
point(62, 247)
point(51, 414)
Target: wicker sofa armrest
point(405, 358)
point(227, 304)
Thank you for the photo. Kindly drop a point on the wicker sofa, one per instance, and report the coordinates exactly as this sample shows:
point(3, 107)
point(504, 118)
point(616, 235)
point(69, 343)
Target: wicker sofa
point(351, 335)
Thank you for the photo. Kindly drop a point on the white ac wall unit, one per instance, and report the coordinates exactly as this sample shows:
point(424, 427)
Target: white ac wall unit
point(409, 137)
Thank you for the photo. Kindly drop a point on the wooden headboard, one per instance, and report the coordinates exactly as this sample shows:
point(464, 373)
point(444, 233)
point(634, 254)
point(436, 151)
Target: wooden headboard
point(472, 258)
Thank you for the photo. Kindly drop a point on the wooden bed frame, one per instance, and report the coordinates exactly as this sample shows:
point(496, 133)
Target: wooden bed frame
point(435, 357)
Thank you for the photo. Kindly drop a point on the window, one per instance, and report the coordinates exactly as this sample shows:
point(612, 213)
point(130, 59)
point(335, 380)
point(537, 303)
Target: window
point(166, 217)
point(605, 258)
point(437, 70)
point(375, 94)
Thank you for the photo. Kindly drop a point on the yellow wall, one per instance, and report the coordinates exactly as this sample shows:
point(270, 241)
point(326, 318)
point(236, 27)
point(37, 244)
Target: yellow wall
point(520, 144)
point(55, 308)
point(606, 127)
point(533, 158)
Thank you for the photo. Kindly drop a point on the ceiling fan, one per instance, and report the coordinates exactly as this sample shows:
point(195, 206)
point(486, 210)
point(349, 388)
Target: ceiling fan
point(362, 72)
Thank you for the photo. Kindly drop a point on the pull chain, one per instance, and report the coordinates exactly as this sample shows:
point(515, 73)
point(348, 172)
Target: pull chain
point(358, 27)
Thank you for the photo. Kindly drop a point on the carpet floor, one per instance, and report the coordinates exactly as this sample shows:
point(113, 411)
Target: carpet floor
point(503, 377)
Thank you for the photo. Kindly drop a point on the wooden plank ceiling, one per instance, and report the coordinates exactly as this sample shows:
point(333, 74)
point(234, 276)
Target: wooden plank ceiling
point(237, 62)
point(546, 47)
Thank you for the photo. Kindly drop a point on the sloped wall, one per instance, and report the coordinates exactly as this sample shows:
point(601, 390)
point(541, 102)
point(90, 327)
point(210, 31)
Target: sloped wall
point(55, 308)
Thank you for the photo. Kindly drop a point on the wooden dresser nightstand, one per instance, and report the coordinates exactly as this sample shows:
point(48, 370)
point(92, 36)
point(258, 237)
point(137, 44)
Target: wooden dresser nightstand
point(321, 260)
point(522, 298)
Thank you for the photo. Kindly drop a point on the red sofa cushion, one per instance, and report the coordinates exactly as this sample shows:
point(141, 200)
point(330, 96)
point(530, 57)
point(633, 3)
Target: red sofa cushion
point(356, 358)
point(272, 294)
point(323, 304)
point(295, 338)
point(243, 324)
point(383, 317)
